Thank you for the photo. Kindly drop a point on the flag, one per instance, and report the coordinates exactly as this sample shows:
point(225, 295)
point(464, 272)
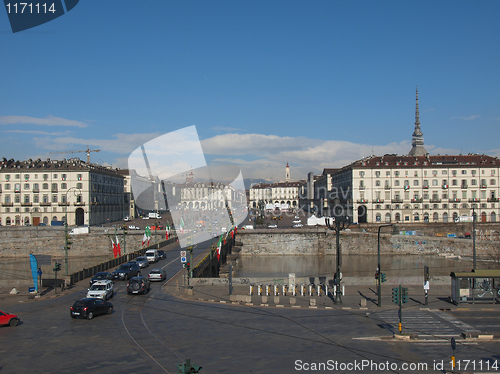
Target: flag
point(182, 225)
point(118, 248)
point(219, 247)
point(115, 249)
point(147, 235)
point(167, 231)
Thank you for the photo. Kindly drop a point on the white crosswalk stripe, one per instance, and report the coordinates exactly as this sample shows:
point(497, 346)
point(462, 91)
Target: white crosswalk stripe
point(424, 322)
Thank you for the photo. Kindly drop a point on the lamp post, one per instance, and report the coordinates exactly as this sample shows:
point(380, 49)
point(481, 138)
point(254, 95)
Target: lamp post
point(379, 274)
point(66, 242)
point(338, 223)
point(473, 239)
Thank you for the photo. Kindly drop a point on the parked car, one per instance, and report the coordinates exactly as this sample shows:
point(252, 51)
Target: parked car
point(272, 226)
point(102, 275)
point(162, 255)
point(126, 219)
point(157, 275)
point(298, 225)
point(142, 261)
point(127, 271)
point(103, 289)
point(138, 285)
point(297, 221)
point(88, 308)
point(133, 227)
point(9, 319)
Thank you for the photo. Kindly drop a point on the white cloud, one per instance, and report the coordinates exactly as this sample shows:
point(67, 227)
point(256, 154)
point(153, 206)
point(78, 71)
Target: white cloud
point(48, 121)
point(36, 132)
point(469, 118)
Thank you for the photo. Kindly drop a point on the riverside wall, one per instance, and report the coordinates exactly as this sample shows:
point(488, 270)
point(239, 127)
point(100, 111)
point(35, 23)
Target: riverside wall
point(321, 241)
point(48, 240)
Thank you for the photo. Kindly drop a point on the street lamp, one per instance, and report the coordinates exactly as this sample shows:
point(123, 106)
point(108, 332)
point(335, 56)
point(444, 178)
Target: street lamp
point(338, 223)
point(66, 241)
point(379, 274)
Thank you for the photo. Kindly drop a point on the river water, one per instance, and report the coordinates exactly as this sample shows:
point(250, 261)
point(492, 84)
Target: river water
point(352, 265)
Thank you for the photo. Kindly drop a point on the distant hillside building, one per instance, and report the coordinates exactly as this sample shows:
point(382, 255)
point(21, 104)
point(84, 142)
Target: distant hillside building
point(39, 192)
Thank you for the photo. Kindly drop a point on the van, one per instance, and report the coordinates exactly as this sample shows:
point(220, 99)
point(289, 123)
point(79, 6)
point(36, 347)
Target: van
point(152, 255)
point(154, 216)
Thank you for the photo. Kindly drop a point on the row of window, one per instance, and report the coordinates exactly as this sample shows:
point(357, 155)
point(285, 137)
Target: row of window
point(36, 186)
point(426, 217)
point(434, 206)
point(36, 199)
point(44, 176)
point(435, 182)
point(435, 195)
point(397, 173)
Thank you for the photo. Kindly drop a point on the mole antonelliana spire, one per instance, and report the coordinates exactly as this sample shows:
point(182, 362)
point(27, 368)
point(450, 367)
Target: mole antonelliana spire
point(417, 142)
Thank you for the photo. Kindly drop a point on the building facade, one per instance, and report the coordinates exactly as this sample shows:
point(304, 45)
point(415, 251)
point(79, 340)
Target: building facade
point(42, 192)
point(439, 188)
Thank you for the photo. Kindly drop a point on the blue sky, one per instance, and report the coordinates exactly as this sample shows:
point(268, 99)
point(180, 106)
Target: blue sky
point(315, 84)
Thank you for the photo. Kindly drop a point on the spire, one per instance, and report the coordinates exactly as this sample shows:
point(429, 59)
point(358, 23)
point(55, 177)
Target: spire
point(418, 137)
point(287, 173)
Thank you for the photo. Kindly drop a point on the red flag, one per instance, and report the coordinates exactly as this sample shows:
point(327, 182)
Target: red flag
point(118, 248)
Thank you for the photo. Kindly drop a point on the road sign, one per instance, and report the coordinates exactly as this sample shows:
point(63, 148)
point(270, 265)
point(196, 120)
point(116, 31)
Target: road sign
point(183, 253)
point(183, 260)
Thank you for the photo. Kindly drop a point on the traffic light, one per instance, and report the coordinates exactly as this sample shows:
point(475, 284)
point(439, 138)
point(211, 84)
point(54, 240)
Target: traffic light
point(426, 273)
point(68, 241)
point(186, 265)
point(395, 295)
point(188, 368)
point(404, 295)
point(57, 266)
point(382, 278)
point(376, 275)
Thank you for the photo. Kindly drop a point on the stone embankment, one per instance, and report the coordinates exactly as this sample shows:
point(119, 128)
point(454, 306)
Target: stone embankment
point(321, 241)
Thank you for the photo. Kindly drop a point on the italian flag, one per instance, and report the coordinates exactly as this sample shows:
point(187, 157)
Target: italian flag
point(167, 231)
point(182, 225)
point(115, 248)
point(219, 247)
point(147, 235)
point(118, 248)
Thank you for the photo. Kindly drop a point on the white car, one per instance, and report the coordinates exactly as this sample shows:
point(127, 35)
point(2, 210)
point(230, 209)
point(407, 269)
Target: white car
point(102, 289)
point(297, 221)
point(157, 275)
point(272, 226)
point(127, 218)
point(298, 225)
point(132, 227)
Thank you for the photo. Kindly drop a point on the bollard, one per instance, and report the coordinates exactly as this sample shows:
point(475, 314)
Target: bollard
point(311, 290)
point(268, 289)
point(294, 290)
point(259, 289)
point(251, 289)
point(285, 289)
point(276, 290)
point(302, 290)
point(320, 290)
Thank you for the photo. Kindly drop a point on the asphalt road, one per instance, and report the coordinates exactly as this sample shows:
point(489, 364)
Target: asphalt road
point(153, 333)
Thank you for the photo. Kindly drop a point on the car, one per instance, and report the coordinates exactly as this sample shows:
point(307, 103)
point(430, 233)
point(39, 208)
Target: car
point(137, 285)
point(297, 221)
point(127, 271)
point(133, 227)
point(102, 275)
point(126, 219)
point(152, 255)
point(161, 254)
point(90, 307)
point(103, 289)
point(142, 261)
point(272, 226)
point(8, 319)
point(157, 275)
point(298, 225)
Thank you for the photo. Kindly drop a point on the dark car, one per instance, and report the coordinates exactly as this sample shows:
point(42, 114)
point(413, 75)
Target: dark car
point(102, 275)
point(9, 319)
point(127, 271)
point(161, 255)
point(142, 261)
point(138, 284)
point(90, 307)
